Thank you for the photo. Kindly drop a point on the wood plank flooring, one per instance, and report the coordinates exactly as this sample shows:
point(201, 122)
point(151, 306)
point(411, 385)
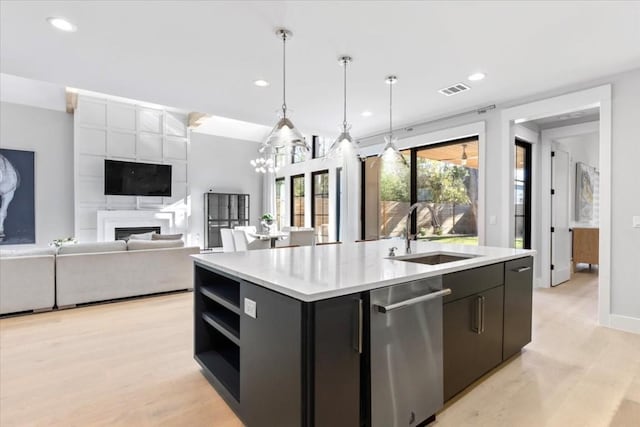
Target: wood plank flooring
point(130, 364)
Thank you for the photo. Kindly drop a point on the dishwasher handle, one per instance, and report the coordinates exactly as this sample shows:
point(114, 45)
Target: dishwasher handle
point(412, 301)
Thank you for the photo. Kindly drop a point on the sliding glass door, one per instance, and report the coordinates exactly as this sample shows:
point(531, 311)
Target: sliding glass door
point(443, 177)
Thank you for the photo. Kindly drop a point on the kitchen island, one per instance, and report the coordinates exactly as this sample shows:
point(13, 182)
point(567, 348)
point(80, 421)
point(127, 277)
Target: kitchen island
point(347, 335)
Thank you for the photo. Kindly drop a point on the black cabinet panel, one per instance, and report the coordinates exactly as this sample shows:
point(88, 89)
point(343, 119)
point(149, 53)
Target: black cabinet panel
point(472, 338)
point(271, 359)
point(518, 290)
point(338, 332)
point(469, 282)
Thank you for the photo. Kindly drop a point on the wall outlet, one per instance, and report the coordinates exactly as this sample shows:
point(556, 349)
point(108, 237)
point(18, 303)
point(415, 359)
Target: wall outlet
point(636, 221)
point(250, 308)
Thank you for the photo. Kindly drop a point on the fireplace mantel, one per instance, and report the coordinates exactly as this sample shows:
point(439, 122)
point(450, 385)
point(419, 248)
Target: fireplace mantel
point(110, 219)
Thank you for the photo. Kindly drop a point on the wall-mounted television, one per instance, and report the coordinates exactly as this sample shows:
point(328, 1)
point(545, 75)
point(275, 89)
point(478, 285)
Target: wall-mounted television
point(136, 179)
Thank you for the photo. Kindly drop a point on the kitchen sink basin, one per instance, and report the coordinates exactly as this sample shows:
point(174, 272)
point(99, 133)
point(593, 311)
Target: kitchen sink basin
point(434, 258)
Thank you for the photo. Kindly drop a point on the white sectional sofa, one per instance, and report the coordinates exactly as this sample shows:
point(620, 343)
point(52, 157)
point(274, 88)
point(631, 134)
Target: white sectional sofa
point(40, 279)
point(27, 280)
point(109, 270)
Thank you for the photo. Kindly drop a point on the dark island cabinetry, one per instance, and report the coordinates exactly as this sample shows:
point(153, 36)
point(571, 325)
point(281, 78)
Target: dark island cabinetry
point(486, 319)
point(277, 360)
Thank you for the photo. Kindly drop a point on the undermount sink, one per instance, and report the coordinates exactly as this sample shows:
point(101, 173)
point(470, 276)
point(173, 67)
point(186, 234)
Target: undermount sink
point(434, 258)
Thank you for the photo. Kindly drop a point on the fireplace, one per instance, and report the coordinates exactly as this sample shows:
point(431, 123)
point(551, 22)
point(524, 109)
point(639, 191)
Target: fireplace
point(123, 233)
point(139, 221)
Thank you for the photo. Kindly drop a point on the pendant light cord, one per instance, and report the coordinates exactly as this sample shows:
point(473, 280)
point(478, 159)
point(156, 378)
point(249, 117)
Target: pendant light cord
point(344, 120)
point(284, 74)
point(390, 110)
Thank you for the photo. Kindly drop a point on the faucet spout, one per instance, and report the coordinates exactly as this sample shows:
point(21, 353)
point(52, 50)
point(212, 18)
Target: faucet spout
point(410, 236)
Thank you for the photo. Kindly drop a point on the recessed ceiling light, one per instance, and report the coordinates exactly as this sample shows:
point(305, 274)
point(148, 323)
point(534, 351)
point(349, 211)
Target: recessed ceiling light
point(261, 83)
point(475, 77)
point(62, 24)
point(366, 114)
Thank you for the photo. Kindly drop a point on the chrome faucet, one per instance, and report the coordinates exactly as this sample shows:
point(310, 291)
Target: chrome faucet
point(410, 236)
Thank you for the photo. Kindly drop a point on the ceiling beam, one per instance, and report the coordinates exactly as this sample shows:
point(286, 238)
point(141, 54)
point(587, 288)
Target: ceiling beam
point(196, 119)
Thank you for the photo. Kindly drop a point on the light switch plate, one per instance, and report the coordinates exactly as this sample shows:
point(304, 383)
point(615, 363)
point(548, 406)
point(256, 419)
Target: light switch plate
point(636, 221)
point(250, 308)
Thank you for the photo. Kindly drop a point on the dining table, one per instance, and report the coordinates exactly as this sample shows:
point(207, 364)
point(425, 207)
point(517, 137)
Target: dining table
point(272, 236)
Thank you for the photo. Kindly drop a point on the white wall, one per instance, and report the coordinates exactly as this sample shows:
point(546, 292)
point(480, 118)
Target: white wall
point(583, 149)
point(221, 164)
point(50, 135)
point(129, 131)
point(625, 199)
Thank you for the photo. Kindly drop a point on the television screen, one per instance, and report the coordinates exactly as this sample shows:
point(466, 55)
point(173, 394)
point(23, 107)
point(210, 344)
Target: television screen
point(136, 179)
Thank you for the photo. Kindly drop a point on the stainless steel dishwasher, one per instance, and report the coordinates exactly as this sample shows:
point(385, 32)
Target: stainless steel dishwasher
point(406, 352)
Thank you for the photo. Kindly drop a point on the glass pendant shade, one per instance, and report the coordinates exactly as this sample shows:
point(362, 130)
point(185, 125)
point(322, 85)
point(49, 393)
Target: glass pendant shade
point(390, 151)
point(285, 135)
point(344, 140)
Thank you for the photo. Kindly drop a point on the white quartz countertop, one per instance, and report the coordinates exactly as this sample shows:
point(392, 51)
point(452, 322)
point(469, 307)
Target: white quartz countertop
point(312, 273)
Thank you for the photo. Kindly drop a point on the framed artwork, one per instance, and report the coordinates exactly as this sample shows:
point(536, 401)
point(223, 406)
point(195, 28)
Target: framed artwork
point(586, 177)
point(17, 197)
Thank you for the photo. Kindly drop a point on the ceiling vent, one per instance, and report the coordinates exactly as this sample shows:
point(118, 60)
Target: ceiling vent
point(454, 89)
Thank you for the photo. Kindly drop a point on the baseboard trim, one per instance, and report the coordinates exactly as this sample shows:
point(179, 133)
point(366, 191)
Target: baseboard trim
point(624, 323)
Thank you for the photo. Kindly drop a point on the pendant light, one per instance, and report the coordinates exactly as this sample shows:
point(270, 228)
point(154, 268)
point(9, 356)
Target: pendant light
point(390, 151)
point(464, 157)
point(345, 137)
point(284, 134)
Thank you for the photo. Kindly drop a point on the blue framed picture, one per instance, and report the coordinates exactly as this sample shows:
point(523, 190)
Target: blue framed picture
point(17, 197)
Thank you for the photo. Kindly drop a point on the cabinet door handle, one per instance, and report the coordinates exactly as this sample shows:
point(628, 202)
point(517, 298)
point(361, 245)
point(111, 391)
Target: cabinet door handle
point(481, 315)
point(357, 345)
point(477, 326)
point(412, 301)
point(521, 269)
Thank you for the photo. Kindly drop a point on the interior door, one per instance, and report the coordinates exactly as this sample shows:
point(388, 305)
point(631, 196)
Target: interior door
point(560, 232)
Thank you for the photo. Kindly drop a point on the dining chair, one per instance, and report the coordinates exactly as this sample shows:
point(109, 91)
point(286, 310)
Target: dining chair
point(302, 237)
point(228, 244)
point(243, 243)
point(247, 228)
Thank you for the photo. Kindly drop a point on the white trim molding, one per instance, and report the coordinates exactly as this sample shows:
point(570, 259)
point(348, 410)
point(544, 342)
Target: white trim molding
point(625, 323)
point(595, 97)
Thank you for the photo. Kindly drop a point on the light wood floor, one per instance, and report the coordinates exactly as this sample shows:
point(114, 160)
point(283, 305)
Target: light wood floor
point(130, 364)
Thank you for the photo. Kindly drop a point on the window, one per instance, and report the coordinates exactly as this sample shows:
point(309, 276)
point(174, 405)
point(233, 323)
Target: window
point(280, 203)
point(320, 205)
point(319, 146)
point(298, 155)
point(522, 196)
point(443, 177)
point(280, 158)
point(297, 201)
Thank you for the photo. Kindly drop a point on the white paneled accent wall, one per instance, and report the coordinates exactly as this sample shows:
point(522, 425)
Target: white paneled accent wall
point(107, 129)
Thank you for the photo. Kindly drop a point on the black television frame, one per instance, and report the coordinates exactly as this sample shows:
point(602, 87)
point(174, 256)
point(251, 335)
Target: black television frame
point(107, 193)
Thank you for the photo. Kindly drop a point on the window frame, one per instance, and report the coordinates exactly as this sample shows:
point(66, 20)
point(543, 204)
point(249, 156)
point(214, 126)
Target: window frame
point(313, 197)
point(292, 198)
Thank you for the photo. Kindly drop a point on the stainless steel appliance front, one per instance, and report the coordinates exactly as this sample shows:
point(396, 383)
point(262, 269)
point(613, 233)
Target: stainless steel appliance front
point(406, 352)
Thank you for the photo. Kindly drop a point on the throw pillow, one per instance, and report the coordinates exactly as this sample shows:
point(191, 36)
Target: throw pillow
point(166, 236)
point(142, 236)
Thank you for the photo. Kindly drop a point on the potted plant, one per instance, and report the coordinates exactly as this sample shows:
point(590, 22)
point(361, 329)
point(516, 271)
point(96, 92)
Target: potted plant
point(267, 221)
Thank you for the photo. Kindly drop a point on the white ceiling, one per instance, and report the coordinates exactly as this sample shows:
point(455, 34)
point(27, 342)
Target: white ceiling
point(569, 118)
point(204, 56)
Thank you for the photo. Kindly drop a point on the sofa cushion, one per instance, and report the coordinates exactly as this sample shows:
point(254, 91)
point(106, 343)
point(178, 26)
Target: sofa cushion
point(85, 248)
point(136, 245)
point(10, 253)
point(142, 236)
point(166, 236)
